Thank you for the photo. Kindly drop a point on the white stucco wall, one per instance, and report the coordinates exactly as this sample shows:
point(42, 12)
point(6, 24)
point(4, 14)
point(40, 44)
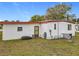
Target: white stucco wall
point(10, 31)
point(46, 27)
point(64, 28)
point(61, 27)
point(77, 27)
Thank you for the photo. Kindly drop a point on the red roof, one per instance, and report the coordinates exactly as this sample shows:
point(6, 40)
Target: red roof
point(19, 22)
point(32, 22)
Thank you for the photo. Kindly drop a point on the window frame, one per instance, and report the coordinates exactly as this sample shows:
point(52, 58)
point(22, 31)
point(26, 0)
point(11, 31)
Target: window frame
point(69, 27)
point(19, 28)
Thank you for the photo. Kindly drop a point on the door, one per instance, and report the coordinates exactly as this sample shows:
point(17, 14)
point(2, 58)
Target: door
point(36, 31)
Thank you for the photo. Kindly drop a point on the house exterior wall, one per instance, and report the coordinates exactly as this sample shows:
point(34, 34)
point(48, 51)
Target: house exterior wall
point(61, 28)
point(10, 30)
point(46, 28)
point(77, 27)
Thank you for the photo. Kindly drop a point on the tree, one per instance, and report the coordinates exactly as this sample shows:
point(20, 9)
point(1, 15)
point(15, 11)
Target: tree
point(17, 20)
point(42, 18)
point(77, 20)
point(71, 17)
point(57, 12)
point(13, 21)
point(6, 20)
point(37, 18)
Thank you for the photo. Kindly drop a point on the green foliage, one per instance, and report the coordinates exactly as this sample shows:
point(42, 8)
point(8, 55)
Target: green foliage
point(37, 18)
point(58, 11)
point(71, 17)
point(77, 20)
point(6, 20)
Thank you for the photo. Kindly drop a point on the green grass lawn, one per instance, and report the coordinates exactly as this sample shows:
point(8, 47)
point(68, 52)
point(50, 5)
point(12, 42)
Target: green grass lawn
point(40, 47)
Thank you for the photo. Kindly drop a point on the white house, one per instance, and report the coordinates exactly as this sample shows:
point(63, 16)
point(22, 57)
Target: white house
point(45, 29)
point(77, 27)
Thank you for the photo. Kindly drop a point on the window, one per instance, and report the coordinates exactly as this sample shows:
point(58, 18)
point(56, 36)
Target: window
point(19, 29)
point(69, 27)
point(55, 26)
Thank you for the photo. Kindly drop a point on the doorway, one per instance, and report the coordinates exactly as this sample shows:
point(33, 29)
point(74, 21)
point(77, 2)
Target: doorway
point(36, 31)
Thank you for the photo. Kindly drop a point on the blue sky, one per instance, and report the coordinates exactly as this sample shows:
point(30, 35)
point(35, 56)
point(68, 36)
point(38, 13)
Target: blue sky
point(23, 11)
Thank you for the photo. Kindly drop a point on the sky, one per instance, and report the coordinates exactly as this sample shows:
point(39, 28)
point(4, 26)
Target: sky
point(23, 11)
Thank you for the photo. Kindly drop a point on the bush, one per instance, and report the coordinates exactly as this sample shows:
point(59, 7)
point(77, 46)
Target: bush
point(26, 37)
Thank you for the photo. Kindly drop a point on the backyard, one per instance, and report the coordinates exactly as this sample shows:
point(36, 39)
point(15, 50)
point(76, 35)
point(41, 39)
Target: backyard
point(40, 47)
